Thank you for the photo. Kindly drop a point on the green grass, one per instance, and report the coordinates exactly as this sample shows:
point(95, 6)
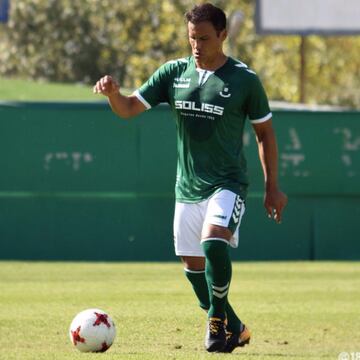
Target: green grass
point(295, 310)
point(27, 90)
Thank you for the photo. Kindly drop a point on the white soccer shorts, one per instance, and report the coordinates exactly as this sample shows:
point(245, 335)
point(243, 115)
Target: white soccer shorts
point(224, 208)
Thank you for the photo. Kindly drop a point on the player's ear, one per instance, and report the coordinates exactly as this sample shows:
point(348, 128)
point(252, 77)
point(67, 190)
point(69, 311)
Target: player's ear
point(223, 34)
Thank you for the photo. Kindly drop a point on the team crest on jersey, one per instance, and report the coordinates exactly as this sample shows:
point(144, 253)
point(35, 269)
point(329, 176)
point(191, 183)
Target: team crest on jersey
point(183, 83)
point(225, 92)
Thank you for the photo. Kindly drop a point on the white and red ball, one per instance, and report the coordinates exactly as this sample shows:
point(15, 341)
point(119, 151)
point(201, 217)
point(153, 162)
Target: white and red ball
point(92, 330)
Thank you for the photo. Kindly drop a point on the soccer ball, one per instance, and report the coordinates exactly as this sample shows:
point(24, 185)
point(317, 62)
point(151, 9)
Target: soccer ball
point(92, 330)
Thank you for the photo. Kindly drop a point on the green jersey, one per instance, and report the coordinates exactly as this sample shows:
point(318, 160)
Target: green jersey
point(210, 110)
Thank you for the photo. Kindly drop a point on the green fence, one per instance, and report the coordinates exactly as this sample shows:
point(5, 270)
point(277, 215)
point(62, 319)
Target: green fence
point(77, 183)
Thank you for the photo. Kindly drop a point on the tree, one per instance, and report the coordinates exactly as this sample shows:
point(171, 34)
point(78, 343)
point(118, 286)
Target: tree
point(80, 40)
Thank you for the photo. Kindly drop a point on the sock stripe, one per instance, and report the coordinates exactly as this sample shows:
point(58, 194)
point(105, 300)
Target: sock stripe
point(215, 239)
point(221, 289)
point(218, 273)
point(194, 271)
point(220, 295)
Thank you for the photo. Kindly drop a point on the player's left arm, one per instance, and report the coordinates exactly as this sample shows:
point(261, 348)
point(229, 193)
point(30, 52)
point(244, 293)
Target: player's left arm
point(275, 200)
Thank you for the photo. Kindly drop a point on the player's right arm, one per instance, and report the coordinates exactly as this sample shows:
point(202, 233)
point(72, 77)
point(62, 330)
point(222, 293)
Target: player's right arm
point(123, 106)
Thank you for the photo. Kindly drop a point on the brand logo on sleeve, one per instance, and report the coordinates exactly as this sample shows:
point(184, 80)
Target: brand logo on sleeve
point(183, 83)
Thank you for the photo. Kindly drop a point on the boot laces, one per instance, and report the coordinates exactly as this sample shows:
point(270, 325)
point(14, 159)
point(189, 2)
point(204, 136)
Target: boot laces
point(215, 326)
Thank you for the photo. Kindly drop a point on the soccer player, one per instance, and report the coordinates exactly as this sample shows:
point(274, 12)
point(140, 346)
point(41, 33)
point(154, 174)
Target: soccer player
point(211, 96)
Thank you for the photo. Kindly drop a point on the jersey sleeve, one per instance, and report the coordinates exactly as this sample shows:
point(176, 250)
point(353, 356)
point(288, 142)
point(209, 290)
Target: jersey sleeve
point(258, 105)
point(155, 89)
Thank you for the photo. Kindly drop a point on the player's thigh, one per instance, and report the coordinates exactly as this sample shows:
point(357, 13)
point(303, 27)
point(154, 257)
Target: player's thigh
point(225, 209)
point(188, 223)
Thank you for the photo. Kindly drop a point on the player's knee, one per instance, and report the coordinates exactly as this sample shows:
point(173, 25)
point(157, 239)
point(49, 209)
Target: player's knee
point(215, 249)
point(195, 263)
point(215, 231)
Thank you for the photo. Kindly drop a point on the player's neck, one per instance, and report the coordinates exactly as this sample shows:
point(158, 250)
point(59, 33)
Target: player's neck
point(212, 64)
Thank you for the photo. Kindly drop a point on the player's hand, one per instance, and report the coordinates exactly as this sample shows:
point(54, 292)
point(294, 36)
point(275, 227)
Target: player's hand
point(106, 86)
point(275, 202)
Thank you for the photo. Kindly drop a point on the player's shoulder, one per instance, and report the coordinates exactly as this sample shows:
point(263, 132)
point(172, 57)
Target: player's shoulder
point(239, 68)
point(181, 63)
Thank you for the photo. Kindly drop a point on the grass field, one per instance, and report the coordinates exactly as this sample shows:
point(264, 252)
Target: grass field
point(27, 90)
point(295, 310)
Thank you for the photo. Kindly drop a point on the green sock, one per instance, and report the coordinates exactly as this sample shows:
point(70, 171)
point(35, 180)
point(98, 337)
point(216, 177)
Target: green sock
point(199, 284)
point(218, 275)
point(234, 324)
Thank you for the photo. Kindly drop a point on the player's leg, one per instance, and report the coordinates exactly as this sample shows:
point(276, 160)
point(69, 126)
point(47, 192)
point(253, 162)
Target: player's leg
point(194, 267)
point(188, 222)
point(188, 225)
point(215, 245)
point(224, 212)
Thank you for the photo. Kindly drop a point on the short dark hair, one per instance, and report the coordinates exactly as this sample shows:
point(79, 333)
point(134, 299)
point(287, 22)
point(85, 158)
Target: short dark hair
point(207, 12)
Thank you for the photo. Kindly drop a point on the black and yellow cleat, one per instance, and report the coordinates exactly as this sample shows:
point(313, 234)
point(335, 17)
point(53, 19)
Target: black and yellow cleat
point(234, 340)
point(215, 339)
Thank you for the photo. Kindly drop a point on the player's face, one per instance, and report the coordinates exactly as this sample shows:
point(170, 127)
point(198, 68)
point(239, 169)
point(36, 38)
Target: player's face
point(206, 43)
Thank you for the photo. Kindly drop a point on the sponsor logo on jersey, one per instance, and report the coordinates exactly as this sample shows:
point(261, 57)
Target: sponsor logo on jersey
point(203, 107)
point(183, 83)
point(225, 92)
